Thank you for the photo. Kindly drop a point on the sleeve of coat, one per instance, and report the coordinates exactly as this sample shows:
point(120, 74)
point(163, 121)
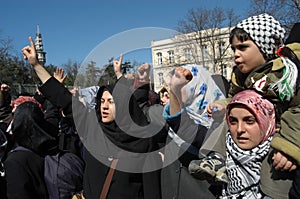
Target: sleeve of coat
point(60, 96)
point(288, 139)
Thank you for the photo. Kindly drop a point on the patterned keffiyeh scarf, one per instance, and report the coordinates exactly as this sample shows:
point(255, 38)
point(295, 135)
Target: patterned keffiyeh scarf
point(243, 169)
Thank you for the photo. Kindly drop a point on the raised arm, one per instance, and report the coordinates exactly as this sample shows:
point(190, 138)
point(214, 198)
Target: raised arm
point(29, 53)
point(5, 97)
point(5, 107)
point(118, 66)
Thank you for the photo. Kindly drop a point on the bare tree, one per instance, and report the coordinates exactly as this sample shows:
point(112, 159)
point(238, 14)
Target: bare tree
point(5, 48)
point(296, 4)
point(71, 68)
point(206, 31)
point(286, 11)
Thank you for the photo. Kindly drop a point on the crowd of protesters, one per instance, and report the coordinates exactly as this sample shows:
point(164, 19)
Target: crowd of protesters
point(199, 137)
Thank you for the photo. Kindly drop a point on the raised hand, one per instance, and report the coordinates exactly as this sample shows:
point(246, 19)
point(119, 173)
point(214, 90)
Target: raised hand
point(4, 88)
point(143, 72)
point(214, 109)
point(118, 66)
point(180, 78)
point(59, 74)
point(29, 53)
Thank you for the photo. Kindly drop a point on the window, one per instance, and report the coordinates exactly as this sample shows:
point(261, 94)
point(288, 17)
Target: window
point(187, 54)
point(222, 48)
point(159, 58)
point(205, 51)
point(224, 70)
point(171, 57)
point(160, 78)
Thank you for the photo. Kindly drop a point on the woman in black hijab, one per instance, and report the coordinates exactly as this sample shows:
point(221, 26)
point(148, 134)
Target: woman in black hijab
point(24, 166)
point(114, 142)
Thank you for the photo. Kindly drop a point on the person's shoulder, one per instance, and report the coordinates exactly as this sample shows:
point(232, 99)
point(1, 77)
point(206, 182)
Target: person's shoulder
point(295, 47)
point(20, 155)
point(16, 159)
point(277, 62)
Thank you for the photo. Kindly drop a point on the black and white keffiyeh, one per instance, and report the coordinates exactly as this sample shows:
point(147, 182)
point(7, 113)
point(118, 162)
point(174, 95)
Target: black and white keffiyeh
point(243, 169)
point(264, 31)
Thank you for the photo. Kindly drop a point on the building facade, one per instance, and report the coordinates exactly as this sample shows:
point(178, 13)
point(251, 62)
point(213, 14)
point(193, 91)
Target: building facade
point(209, 48)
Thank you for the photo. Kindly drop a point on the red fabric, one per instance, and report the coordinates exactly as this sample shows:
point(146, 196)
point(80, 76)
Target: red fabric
point(22, 99)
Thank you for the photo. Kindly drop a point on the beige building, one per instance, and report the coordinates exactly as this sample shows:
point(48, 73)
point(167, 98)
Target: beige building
point(209, 48)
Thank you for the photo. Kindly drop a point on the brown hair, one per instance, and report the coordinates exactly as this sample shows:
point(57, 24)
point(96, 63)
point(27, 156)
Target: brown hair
point(240, 34)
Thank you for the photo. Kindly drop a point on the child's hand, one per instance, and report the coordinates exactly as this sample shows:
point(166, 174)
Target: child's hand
point(214, 108)
point(180, 78)
point(283, 162)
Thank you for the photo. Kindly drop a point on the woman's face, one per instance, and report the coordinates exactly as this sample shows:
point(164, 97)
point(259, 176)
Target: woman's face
point(247, 55)
point(244, 128)
point(107, 108)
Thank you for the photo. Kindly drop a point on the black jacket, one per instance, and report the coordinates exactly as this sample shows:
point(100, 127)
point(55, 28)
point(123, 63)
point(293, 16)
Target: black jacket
point(25, 176)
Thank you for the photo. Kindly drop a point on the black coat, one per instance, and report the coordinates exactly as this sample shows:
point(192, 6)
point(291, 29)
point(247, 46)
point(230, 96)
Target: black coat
point(25, 176)
point(295, 189)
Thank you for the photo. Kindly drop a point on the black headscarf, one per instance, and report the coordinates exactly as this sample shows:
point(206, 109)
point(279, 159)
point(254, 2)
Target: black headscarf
point(119, 136)
point(32, 131)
